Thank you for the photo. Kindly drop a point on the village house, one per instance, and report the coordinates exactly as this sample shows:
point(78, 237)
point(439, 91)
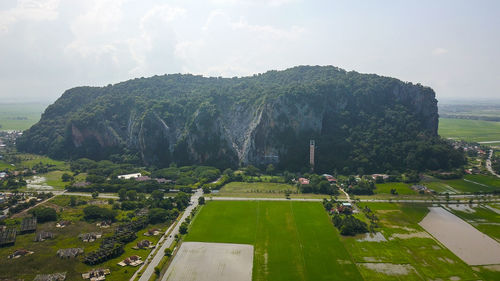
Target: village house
point(90, 237)
point(129, 176)
point(63, 224)
point(152, 232)
point(330, 178)
point(132, 261)
point(19, 253)
point(96, 274)
point(144, 244)
point(303, 181)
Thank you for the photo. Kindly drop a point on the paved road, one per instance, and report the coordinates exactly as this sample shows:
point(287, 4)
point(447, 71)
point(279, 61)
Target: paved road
point(488, 164)
point(436, 200)
point(149, 271)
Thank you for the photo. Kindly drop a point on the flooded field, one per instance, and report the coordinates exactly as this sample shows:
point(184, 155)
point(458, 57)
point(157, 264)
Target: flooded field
point(465, 241)
point(211, 262)
point(371, 237)
point(38, 183)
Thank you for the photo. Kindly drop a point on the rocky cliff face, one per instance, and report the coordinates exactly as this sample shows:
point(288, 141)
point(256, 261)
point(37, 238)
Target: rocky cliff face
point(267, 118)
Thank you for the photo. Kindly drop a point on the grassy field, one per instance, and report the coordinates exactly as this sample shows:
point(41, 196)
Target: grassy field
point(408, 246)
point(401, 188)
point(256, 187)
point(469, 184)
point(20, 116)
point(292, 240)
point(469, 130)
point(45, 261)
point(29, 160)
point(265, 190)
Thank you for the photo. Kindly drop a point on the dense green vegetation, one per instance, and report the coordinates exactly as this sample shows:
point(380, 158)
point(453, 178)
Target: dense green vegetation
point(292, 240)
point(368, 122)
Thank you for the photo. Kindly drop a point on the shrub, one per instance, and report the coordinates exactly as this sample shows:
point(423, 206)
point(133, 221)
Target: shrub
point(96, 212)
point(44, 214)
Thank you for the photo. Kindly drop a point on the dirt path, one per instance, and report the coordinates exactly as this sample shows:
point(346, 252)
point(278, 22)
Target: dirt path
point(488, 164)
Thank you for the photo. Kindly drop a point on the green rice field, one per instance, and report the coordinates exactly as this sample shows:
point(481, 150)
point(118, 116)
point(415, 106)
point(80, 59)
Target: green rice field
point(292, 240)
point(401, 188)
point(469, 130)
point(469, 184)
point(407, 252)
point(20, 116)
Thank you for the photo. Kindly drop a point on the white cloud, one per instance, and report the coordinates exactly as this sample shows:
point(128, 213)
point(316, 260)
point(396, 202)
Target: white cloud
point(439, 51)
point(33, 10)
point(274, 3)
point(229, 46)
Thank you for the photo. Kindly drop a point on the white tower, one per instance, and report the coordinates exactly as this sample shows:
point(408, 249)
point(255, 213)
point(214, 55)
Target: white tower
point(311, 153)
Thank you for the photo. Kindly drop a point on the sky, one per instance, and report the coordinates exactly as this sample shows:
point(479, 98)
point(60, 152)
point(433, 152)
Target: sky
point(49, 46)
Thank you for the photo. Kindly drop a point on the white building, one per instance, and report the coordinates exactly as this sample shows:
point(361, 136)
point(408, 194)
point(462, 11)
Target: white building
point(129, 176)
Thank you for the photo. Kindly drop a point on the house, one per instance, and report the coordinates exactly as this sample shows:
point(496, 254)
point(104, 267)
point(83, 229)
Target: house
point(303, 181)
point(132, 261)
point(383, 176)
point(96, 274)
point(144, 244)
point(90, 237)
point(143, 178)
point(129, 176)
point(19, 253)
point(63, 224)
point(330, 178)
point(162, 180)
point(152, 232)
point(104, 224)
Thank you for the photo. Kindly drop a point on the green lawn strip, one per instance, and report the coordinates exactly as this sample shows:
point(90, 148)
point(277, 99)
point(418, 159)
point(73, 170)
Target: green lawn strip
point(256, 187)
point(271, 195)
point(401, 188)
point(469, 130)
point(425, 255)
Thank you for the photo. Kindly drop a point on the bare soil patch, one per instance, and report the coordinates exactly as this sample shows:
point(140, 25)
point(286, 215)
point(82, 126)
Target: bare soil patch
point(389, 268)
point(196, 261)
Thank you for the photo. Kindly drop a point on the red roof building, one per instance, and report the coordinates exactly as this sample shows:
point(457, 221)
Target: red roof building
point(303, 181)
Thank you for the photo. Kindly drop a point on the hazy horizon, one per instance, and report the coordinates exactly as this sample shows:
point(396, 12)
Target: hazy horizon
point(49, 46)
